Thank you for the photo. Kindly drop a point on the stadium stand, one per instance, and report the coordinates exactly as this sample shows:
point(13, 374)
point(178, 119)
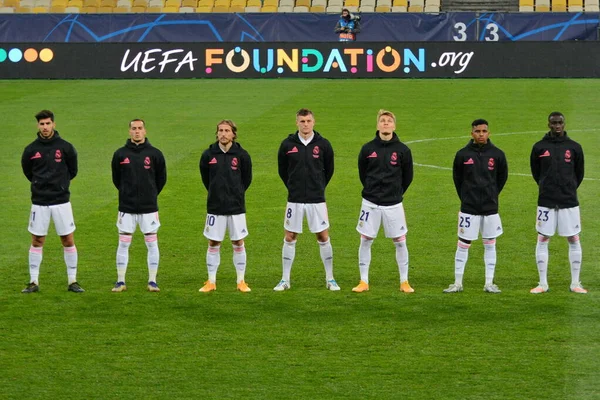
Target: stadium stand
point(542, 5)
point(559, 5)
point(481, 5)
point(592, 5)
point(268, 9)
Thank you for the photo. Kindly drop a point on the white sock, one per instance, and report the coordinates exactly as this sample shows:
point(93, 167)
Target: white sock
point(239, 260)
point(541, 258)
point(213, 260)
point(123, 256)
point(327, 257)
point(402, 257)
point(153, 256)
point(575, 259)
point(364, 258)
point(70, 255)
point(489, 258)
point(460, 261)
point(287, 256)
point(35, 259)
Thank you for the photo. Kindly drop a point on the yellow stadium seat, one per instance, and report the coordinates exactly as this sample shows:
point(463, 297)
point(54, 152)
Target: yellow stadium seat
point(542, 8)
point(303, 3)
point(222, 3)
point(577, 3)
point(559, 5)
point(525, 3)
point(121, 10)
point(138, 9)
point(91, 3)
point(238, 3)
point(381, 9)
point(417, 9)
point(40, 10)
point(189, 3)
point(204, 9)
point(253, 3)
point(400, 3)
point(89, 9)
point(270, 9)
point(317, 9)
point(206, 3)
point(75, 3)
point(237, 9)
point(170, 9)
point(105, 10)
point(140, 3)
point(270, 3)
point(59, 3)
point(154, 9)
point(108, 3)
point(351, 3)
point(57, 9)
point(11, 3)
point(220, 9)
point(172, 3)
point(22, 10)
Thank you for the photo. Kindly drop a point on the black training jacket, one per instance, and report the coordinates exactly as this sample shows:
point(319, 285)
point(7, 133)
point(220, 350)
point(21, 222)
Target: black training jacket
point(139, 172)
point(305, 170)
point(385, 169)
point(49, 164)
point(226, 176)
point(557, 166)
point(480, 172)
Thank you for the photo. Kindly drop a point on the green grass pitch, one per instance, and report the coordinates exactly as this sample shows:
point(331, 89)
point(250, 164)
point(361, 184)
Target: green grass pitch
point(306, 342)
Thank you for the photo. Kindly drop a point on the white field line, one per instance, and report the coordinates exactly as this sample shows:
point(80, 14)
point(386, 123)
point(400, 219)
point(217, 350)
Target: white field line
point(495, 134)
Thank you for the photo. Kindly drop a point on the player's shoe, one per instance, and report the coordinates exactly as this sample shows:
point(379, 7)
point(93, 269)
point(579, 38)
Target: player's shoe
point(31, 288)
point(577, 288)
point(74, 287)
point(243, 287)
point(119, 287)
point(208, 287)
point(492, 288)
point(333, 286)
point(454, 288)
point(405, 287)
point(282, 285)
point(362, 287)
point(153, 287)
point(539, 289)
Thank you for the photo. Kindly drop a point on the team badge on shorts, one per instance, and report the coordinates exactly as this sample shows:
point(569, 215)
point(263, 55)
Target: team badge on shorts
point(568, 156)
point(491, 164)
point(206, 230)
point(287, 221)
point(462, 230)
point(361, 224)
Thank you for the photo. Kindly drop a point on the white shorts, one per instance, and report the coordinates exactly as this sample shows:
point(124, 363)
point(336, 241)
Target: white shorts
point(371, 216)
point(215, 226)
point(149, 223)
point(567, 220)
point(469, 226)
point(61, 214)
point(316, 217)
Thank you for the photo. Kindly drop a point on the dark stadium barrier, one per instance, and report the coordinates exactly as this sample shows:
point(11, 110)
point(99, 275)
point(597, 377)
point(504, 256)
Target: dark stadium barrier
point(300, 60)
point(295, 27)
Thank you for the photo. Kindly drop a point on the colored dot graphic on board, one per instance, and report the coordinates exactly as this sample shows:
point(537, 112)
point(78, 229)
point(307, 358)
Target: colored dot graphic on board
point(29, 55)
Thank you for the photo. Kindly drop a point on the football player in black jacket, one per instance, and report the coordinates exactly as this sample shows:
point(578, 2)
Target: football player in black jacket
point(385, 168)
point(557, 166)
point(305, 163)
point(226, 170)
point(139, 173)
point(50, 163)
point(480, 172)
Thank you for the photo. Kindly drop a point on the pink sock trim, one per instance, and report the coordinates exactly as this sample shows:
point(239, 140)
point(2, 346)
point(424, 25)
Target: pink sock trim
point(37, 250)
point(463, 245)
point(542, 238)
point(125, 238)
point(70, 249)
point(491, 241)
point(213, 249)
point(400, 239)
point(238, 249)
point(150, 238)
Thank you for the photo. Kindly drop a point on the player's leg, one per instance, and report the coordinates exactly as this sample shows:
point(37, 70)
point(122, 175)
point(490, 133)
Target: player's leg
point(126, 225)
point(149, 224)
point(214, 231)
point(491, 228)
point(394, 226)
point(546, 227)
point(236, 225)
point(318, 223)
point(369, 221)
point(294, 213)
point(569, 225)
point(39, 221)
point(62, 215)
